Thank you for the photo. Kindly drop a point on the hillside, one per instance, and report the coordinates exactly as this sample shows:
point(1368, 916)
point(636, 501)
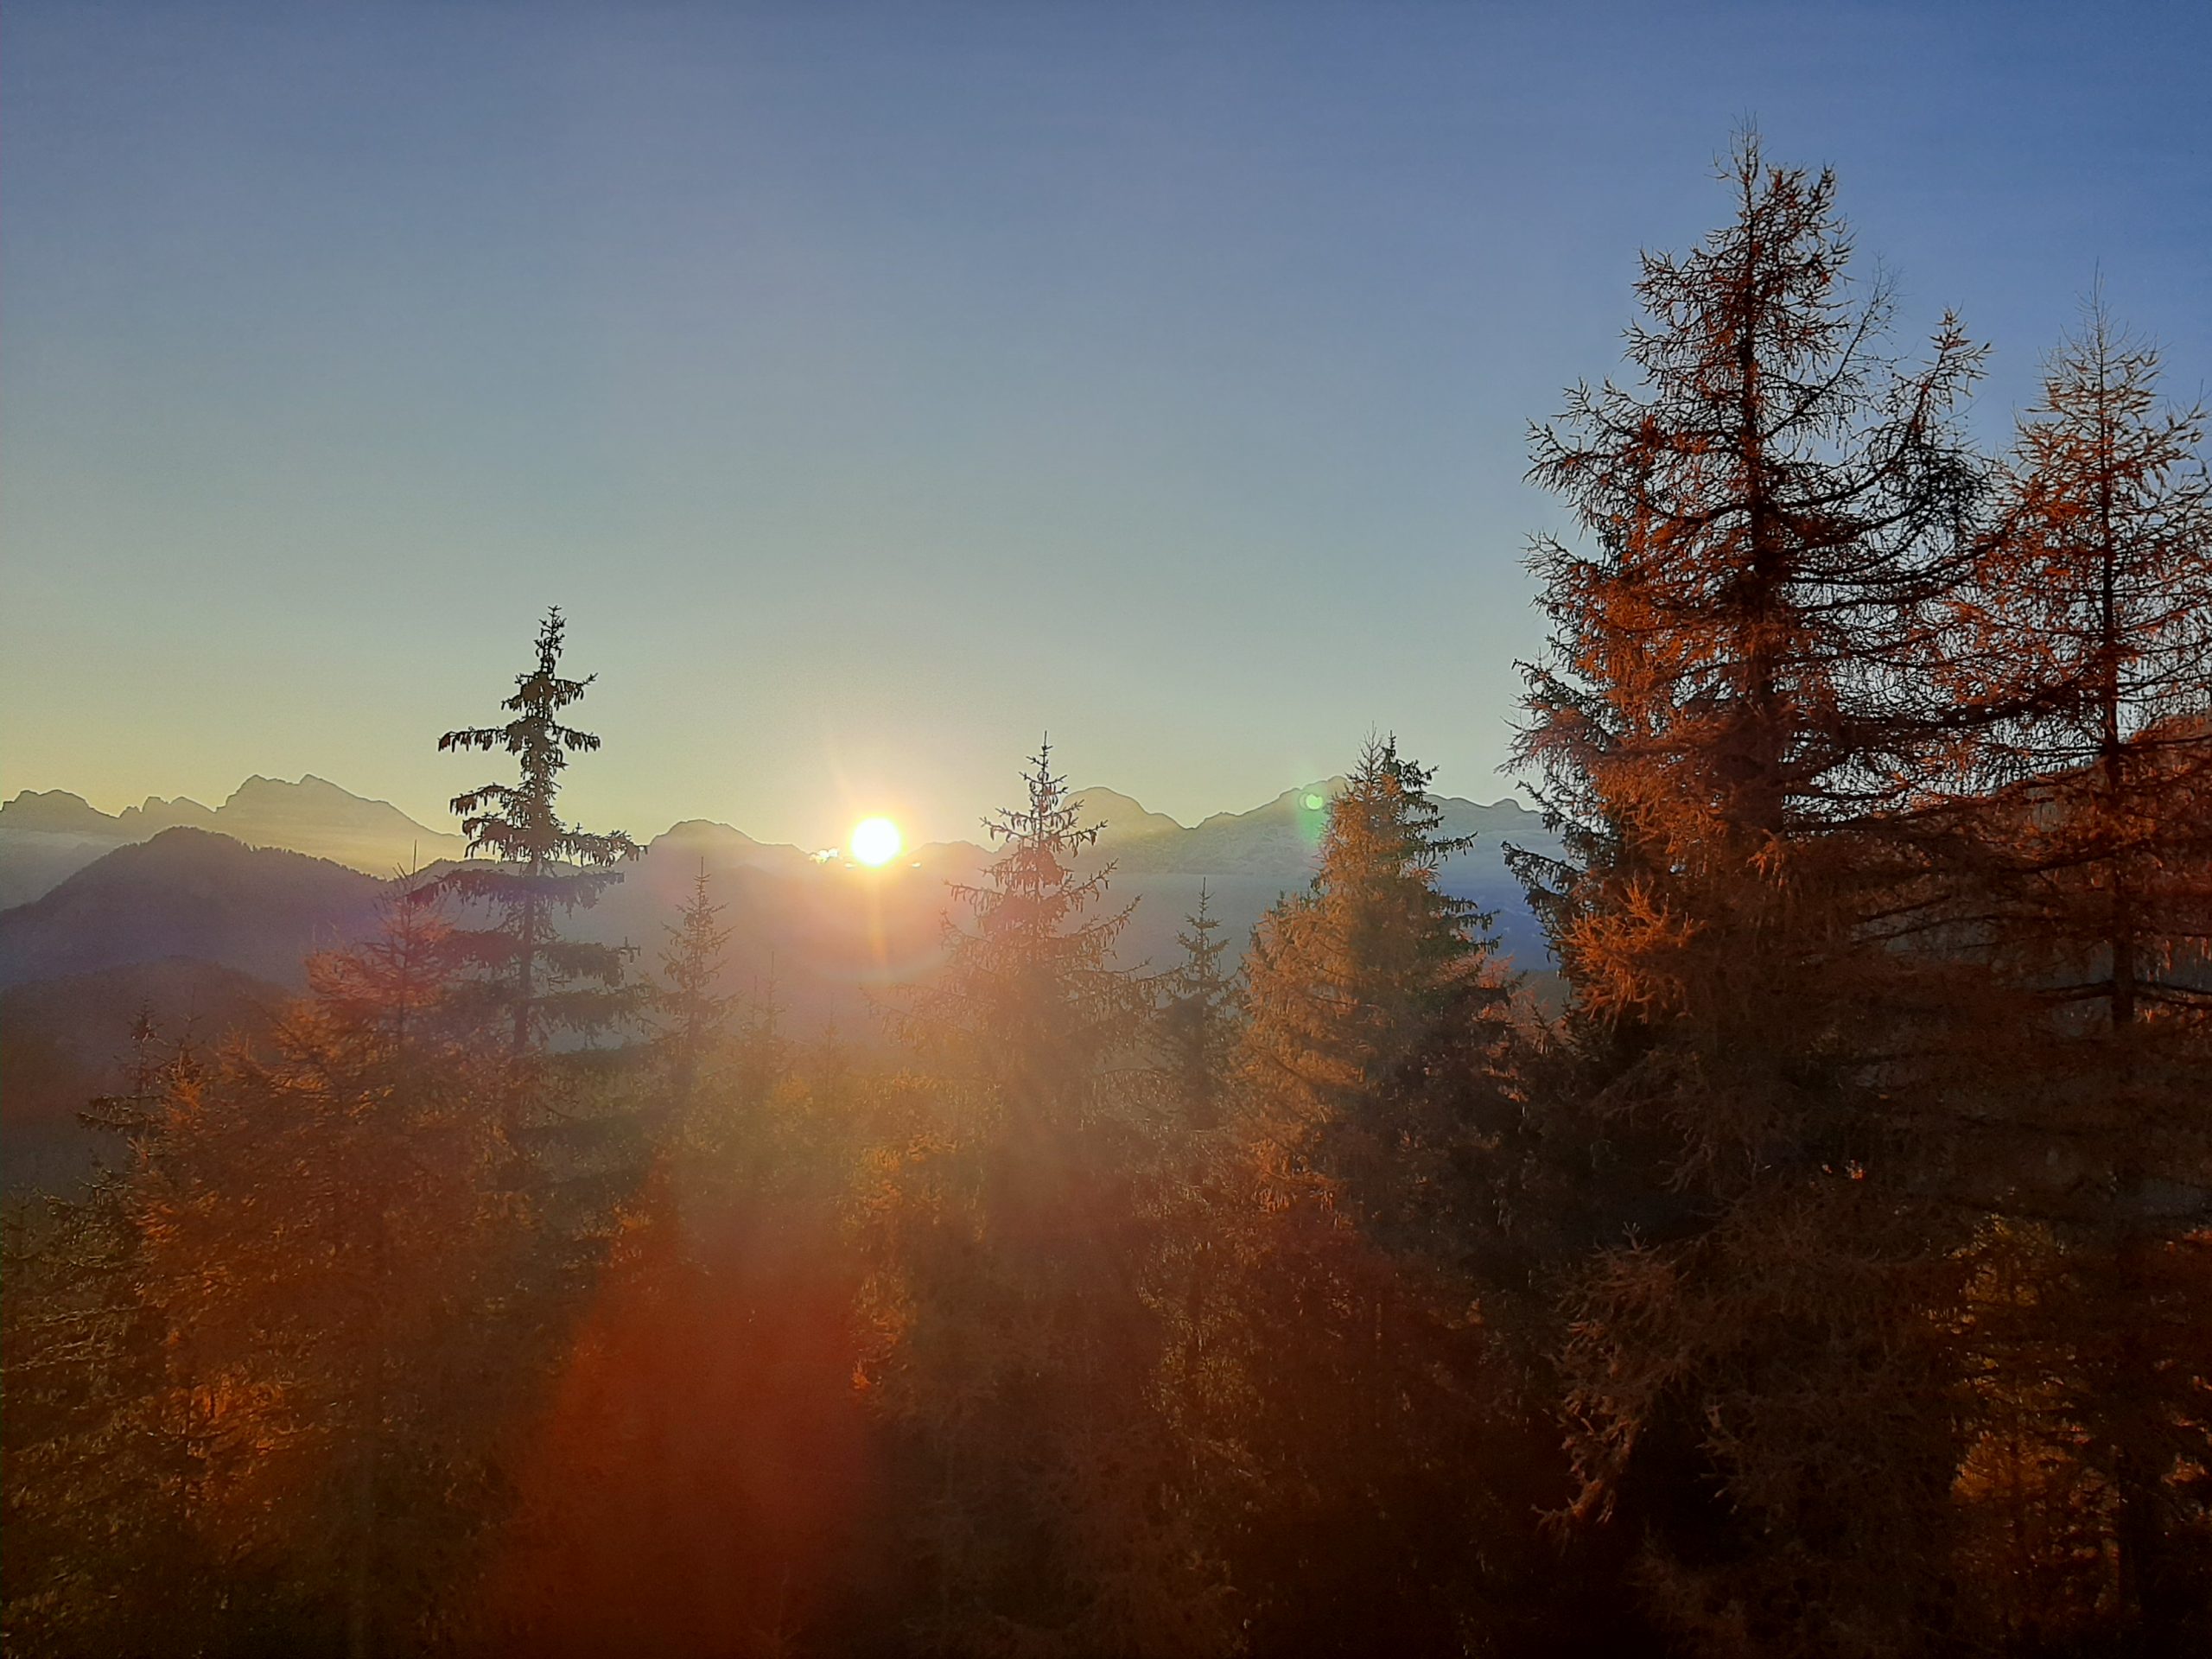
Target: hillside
point(35, 862)
point(188, 892)
point(1279, 837)
point(63, 1041)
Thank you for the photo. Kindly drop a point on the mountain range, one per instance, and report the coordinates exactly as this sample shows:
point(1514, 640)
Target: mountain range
point(47, 833)
point(198, 924)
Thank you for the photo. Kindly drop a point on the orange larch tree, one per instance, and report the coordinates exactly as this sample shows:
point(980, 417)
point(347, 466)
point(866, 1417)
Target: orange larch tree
point(1724, 730)
point(336, 1260)
point(2083, 817)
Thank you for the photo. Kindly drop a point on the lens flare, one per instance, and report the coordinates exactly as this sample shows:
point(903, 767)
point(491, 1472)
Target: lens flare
point(874, 841)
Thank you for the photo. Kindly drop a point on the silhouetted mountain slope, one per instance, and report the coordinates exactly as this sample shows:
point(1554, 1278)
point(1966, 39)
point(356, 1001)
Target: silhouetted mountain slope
point(832, 936)
point(45, 834)
point(1126, 818)
point(719, 844)
point(1277, 839)
point(63, 1041)
point(188, 892)
point(34, 862)
point(155, 815)
point(1280, 838)
point(1247, 859)
point(835, 938)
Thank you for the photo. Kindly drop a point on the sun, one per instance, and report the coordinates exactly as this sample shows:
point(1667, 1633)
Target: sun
point(875, 841)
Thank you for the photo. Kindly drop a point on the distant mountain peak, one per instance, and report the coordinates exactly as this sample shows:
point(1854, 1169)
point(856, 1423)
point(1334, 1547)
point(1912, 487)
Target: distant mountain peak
point(153, 815)
point(309, 786)
point(1123, 818)
point(55, 811)
point(1304, 798)
point(710, 833)
point(704, 829)
point(704, 838)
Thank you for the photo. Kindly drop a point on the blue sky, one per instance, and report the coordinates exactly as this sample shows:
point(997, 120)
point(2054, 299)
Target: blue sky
point(879, 385)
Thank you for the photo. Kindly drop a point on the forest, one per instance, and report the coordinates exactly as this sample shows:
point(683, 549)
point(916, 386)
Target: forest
point(1825, 1268)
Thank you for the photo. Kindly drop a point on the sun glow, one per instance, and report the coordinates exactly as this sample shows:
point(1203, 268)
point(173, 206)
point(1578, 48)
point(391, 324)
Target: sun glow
point(875, 841)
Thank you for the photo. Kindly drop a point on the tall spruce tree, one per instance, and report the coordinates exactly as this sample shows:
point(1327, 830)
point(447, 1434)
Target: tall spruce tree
point(528, 867)
point(1724, 728)
point(1030, 999)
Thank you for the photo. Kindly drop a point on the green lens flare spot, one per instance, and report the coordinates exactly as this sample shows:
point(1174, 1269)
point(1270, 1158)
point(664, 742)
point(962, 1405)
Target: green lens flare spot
point(1314, 803)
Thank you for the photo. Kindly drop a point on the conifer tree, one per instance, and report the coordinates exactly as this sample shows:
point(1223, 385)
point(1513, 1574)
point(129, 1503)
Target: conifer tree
point(764, 1051)
point(691, 1017)
point(2086, 634)
point(336, 1262)
point(1198, 1020)
point(1013, 1237)
point(1357, 989)
point(690, 1011)
point(2085, 816)
point(1030, 1000)
point(1341, 1356)
point(534, 866)
point(104, 1447)
point(761, 1062)
point(1723, 732)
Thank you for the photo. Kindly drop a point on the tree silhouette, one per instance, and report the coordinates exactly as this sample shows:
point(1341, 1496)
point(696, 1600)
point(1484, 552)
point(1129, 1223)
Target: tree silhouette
point(2087, 633)
point(328, 1241)
point(104, 1446)
point(1029, 998)
point(537, 864)
point(1363, 1396)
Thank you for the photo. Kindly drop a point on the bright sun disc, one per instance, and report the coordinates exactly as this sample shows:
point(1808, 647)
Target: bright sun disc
point(875, 841)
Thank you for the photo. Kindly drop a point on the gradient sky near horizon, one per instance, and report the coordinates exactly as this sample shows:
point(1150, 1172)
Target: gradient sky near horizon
point(879, 385)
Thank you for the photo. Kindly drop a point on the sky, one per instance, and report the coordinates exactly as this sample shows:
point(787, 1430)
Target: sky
point(878, 387)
